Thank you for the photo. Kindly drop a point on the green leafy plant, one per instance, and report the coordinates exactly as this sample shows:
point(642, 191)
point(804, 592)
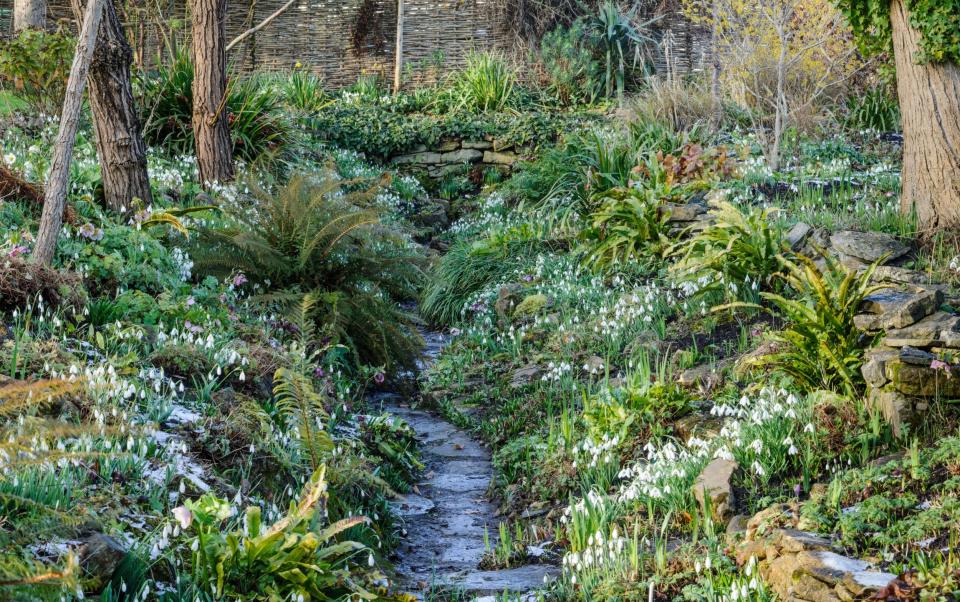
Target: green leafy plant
point(257, 126)
point(616, 38)
point(324, 237)
point(34, 65)
point(630, 225)
point(303, 91)
point(736, 255)
point(486, 83)
point(876, 110)
point(296, 557)
point(570, 68)
point(821, 347)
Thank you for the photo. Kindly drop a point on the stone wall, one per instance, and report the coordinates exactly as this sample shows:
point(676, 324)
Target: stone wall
point(453, 154)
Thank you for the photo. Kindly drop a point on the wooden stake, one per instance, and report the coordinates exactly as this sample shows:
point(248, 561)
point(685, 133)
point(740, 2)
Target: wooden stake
point(398, 63)
point(58, 181)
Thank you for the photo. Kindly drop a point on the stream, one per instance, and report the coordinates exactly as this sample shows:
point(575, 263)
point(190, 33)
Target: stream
point(448, 515)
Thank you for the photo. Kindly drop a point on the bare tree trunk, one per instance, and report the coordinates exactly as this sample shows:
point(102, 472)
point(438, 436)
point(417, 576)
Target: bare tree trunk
point(717, 65)
point(55, 198)
point(29, 14)
point(930, 113)
point(120, 145)
point(211, 130)
point(398, 59)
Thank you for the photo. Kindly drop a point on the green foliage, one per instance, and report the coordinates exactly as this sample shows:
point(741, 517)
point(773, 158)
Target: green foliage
point(384, 129)
point(735, 255)
point(303, 91)
point(486, 83)
point(616, 37)
point(257, 126)
point(937, 21)
point(468, 267)
point(303, 409)
point(35, 65)
point(821, 347)
point(121, 257)
point(322, 236)
point(295, 557)
point(876, 110)
point(569, 65)
point(630, 225)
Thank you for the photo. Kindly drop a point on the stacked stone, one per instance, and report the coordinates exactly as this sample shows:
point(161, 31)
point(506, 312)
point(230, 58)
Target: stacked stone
point(906, 372)
point(801, 566)
point(451, 154)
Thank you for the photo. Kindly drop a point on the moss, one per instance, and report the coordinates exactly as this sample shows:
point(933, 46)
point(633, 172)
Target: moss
point(530, 306)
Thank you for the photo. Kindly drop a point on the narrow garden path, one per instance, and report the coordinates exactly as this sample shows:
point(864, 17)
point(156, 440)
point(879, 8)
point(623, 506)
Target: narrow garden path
point(448, 515)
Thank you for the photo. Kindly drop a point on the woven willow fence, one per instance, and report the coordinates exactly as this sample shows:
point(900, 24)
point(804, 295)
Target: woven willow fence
point(342, 40)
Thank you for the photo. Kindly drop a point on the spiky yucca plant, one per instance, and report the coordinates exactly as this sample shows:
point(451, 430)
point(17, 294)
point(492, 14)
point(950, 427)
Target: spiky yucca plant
point(322, 236)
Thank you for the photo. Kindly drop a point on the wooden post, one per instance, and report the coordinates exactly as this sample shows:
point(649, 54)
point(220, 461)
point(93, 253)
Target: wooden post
point(58, 181)
point(398, 63)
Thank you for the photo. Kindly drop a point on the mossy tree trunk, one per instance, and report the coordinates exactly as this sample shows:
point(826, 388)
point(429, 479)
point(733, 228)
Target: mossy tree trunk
point(930, 109)
point(119, 137)
point(211, 128)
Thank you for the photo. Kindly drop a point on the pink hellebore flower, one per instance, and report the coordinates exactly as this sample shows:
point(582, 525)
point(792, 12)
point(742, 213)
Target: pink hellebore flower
point(183, 516)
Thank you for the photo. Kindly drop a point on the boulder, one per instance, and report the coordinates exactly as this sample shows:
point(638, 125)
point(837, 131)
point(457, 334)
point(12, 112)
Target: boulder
point(100, 555)
point(714, 484)
point(868, 247)
point(524, 376)
point(449, 145)
point(895, 407)
point(687, 212)
point(797, 235)
point(922, 381)
point(530, 306)
point(507, 298)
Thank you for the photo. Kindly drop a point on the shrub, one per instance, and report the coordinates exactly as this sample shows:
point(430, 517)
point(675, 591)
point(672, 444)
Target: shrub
point(630, 225)
point(615, 37)
point(876, 110)
point(486, 83)
point(679, 104)
point(257, 125)
point(35, 64)
point(821, 347)
point(570, 69)
point(736, 255)
point(468, 267)
point(298, 557)
point(321, 236)
point(303, 91)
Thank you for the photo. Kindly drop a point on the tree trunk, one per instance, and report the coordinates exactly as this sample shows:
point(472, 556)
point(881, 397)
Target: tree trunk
point(398, 59)
point(211, 130)
point(930, 113)
point(120, 146)
point(58, 181)
point(29, 14)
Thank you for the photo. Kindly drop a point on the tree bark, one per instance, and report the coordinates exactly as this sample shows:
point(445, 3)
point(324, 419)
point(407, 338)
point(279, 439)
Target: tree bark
point(120, 145)
point(930, 114)
point(211, 129)
point(58, 181)
point(29, 14)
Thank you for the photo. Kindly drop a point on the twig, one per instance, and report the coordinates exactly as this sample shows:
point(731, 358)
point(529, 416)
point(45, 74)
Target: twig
point(243, 36)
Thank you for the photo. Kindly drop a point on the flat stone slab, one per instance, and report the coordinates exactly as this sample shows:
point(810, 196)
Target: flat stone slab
point(411, 505)
point(868, 246)
point(519, 580)
point(925, 333)
point(898, 309)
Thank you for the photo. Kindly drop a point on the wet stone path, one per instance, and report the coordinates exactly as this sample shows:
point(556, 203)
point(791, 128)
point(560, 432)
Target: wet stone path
point(447, 520)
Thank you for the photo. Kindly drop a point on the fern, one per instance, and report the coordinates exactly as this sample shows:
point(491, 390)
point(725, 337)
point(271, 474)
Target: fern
point(323, 237)
point(821, 347)
point(303, 409)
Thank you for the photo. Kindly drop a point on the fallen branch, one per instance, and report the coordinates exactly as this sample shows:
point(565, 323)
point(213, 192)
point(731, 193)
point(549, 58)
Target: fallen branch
point(243, 36)
point(12, 185)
